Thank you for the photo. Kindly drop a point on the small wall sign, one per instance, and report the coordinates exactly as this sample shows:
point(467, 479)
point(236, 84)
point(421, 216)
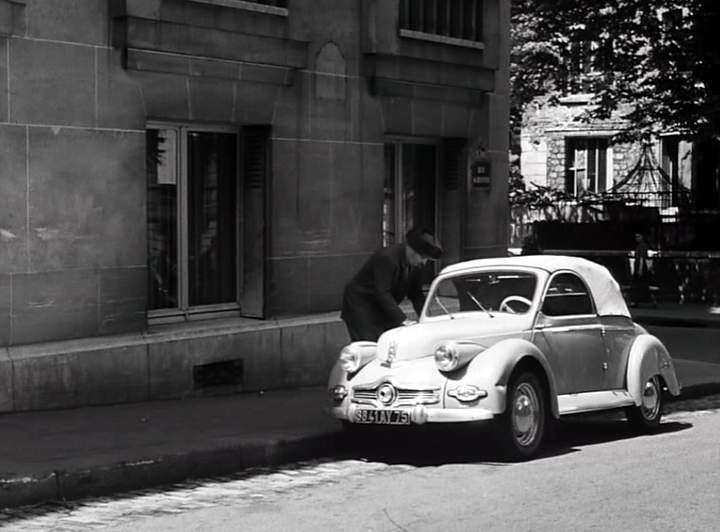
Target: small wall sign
point(480, 173)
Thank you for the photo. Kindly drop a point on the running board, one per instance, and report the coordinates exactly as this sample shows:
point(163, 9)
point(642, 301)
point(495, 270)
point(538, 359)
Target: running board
point(575, 403)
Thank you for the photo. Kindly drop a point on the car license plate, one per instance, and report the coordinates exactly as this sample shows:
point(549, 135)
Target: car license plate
point(382, 417)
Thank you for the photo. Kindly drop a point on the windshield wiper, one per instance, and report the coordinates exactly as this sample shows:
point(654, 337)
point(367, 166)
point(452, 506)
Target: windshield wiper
point(479, 304)
point(437, 300)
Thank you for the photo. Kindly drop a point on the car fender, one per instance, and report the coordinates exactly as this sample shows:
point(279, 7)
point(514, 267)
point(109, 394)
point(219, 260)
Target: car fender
point(337, 375)
point(494, 366)
point(648, 357)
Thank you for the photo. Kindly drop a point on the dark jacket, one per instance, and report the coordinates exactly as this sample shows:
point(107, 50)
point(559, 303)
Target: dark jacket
point(371, 299)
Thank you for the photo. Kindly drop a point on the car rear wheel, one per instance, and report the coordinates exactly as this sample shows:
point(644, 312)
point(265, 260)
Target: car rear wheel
point(646, 416)
point(522, 425)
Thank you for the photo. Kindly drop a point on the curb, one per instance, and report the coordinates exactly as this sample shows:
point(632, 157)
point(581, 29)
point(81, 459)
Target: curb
point(128, 476)
point(142, 474)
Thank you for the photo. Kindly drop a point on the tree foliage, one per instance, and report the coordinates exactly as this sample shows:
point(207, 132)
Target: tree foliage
point(658, 58)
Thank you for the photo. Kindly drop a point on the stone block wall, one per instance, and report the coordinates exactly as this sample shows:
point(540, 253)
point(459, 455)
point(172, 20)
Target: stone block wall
point(72, 184)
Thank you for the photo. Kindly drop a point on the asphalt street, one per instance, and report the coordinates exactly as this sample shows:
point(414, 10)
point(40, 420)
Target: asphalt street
point(595, 475)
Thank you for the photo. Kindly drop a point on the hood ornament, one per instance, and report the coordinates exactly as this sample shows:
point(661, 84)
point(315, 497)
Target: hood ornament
point(391, 354)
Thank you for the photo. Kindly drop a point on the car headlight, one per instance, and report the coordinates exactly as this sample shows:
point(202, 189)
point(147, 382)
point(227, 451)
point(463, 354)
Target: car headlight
point(338, 393)
point(356, 355)
point(446, 357)
point(450, 356)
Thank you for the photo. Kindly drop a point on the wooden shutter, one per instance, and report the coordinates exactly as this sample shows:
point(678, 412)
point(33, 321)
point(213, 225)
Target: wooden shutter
point(256, 171)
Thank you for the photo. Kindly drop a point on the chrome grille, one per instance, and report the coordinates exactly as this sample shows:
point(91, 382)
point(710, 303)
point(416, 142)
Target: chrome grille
point(405, 396)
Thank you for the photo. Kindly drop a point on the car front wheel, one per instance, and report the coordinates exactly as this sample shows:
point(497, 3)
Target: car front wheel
point(522, 426)
point(646, 416)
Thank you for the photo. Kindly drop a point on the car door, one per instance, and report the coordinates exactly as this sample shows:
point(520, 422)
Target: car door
point(619, 336)
point(569, 332)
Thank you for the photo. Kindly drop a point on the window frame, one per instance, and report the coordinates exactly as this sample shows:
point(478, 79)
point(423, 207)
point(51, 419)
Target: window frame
point(398, 204)
point(184, 311)
point(571, 169)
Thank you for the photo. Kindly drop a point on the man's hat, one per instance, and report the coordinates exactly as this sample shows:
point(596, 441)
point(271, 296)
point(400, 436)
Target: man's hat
point(424, 243)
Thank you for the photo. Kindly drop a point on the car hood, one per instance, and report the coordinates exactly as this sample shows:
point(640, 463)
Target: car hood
point(421, 339)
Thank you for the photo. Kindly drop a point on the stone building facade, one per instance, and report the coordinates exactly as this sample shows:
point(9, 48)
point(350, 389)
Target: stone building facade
point(187, 184)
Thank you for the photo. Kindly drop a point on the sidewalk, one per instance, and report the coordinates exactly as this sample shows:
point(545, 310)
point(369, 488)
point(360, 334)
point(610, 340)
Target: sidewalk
point(671, 314)
point(68, 454)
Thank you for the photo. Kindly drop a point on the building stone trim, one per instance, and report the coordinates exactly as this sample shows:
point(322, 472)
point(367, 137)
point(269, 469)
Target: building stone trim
point(197, 66)
point(81, 128)
point(249, 6)
point(422, 91)
point(442, 39)
point(135, 33)
point(407, 77)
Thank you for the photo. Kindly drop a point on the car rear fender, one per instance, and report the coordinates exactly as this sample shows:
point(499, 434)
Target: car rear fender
point(649, 357)
point(495, 365)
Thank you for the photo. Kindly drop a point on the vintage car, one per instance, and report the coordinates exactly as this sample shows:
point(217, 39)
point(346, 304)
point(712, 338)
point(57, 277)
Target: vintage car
point(518, 340)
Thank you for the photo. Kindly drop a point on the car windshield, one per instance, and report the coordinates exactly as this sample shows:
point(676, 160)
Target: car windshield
point(487, 291)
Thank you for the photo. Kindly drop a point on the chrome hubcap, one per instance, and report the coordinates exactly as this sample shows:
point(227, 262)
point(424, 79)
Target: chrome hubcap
point(650, 406)
point(525, 414)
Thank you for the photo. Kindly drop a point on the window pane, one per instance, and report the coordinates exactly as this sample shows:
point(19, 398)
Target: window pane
point(569, 166)
point(478, 20)
point(415, 15)
point(161, 164)
point(602, 165)
point(430, 18)
point(592, 165)
point(405, 14)
point(580, 166)
point(418, 194)
point(443, 17)
point(212, 217)
point(567, 296)
point(418, 172)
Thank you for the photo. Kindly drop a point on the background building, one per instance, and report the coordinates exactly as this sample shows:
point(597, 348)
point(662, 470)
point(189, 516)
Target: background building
point(172, 167)
point(561, 150)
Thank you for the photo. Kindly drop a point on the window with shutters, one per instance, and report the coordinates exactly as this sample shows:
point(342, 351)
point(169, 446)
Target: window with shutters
point(197, 181)
point(448, 21)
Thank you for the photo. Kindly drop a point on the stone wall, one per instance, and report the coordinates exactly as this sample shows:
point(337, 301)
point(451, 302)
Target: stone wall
point(83, 78)
point(165, 364)
point(72, 201)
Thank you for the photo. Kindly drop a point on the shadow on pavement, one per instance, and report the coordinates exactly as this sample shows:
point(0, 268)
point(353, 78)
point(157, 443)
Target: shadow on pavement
point(575, 433)
point(457, 445)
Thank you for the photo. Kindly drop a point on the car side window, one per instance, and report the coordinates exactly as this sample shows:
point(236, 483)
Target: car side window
point(567, 296)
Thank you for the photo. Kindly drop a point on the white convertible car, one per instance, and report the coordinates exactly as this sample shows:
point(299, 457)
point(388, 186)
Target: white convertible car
point(521, 340)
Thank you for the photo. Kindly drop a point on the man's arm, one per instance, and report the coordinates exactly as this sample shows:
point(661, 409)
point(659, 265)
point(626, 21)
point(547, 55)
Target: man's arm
point(414, 292)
